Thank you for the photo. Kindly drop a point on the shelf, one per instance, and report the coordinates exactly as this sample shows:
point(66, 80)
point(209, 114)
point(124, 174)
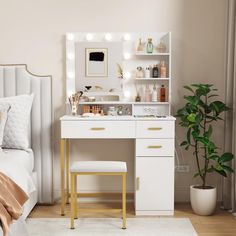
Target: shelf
point(123, 102)
point(151, 54)
point(151, 103)
point(153, 79)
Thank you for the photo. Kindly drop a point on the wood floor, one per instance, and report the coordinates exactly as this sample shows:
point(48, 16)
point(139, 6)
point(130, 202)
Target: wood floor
point(220, 224)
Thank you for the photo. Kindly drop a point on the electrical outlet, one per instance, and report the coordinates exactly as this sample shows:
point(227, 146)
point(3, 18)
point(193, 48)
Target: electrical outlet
point(182, 168)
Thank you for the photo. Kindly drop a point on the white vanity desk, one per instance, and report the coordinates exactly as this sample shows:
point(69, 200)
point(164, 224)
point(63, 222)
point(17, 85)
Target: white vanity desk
point(154, 155)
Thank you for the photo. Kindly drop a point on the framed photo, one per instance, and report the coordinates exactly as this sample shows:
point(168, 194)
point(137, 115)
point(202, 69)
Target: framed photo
point(96, 62)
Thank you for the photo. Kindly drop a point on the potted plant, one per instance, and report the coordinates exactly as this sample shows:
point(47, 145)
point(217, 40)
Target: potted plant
point(198, 115)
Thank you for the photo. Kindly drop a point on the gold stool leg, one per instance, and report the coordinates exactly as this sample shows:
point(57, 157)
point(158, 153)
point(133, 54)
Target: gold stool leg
point(62, 177)
point(72, 200)
point(75, 199)
point(67, 170)
point(124, 200)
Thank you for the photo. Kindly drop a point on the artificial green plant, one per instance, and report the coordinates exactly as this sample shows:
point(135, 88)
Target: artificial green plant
point(198, 115)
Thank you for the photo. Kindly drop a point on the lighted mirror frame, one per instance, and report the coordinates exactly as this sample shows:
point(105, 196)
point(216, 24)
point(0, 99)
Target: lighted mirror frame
point(73, 38)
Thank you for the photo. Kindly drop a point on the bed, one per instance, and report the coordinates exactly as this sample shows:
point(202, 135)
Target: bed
point(31, 169)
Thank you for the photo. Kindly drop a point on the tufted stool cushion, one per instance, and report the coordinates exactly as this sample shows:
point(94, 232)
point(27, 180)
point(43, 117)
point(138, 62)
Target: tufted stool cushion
point(98, 166)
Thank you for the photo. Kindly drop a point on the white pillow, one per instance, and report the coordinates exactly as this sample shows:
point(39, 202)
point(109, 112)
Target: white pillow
point(4, 108)
point(17, 126)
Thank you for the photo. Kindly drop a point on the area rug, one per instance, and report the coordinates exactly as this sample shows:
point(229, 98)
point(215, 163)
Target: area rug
point(111, 226)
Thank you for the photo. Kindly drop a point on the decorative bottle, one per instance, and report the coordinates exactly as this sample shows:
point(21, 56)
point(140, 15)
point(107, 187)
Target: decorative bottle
point(154, 94)
point(149, 48)
point(161, 47)
point(163, 70)
point(155, 71)
point(162, 93)
point(140, 46)
point(140, 72)
point(147, 94)
point(147, 72)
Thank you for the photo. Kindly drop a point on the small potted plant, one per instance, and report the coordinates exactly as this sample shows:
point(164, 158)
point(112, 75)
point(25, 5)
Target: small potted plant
point(198, 115)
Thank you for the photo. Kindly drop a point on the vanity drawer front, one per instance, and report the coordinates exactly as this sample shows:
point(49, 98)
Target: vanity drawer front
point(97, 129)
point(155, 147)
point(155, 129)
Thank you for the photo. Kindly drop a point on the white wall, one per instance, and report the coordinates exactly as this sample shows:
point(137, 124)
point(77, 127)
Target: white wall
point(32, 32)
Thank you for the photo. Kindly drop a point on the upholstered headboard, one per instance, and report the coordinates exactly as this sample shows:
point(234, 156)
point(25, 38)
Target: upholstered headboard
point(16, 80)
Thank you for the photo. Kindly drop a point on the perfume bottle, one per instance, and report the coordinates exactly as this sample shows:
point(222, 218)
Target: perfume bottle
point(140, 46)
point(162, 93)
point(155, 71)
point(140, 72)
point(163, 70)
point(161, 47)
point(147, 94)
point(149, 46)
point(138, 98)
point(147, 72)
point(154, 94)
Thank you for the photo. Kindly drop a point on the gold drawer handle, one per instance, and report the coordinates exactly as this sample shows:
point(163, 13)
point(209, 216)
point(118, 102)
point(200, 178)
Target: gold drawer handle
point(155, 147)
point(97, 128)
point(137, 183)
point(154, 128)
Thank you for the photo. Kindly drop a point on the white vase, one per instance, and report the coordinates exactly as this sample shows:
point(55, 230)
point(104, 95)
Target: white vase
point(203, 201)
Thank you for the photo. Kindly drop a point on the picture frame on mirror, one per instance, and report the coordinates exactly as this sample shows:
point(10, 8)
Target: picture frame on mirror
point(96, 62)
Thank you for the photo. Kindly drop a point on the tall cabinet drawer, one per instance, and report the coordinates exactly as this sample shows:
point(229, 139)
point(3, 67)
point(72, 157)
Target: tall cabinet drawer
point(155, 129)
point(154, 147)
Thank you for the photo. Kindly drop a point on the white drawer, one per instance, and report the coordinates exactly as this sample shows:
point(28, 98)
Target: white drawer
point(97, 129)
point(155, 129)
point(155, 147)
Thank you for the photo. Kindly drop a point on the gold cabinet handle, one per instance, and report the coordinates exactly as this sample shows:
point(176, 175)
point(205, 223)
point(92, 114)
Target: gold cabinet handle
point(137, 183)
point(154, 147)
point(97, 128)
point(154, 128)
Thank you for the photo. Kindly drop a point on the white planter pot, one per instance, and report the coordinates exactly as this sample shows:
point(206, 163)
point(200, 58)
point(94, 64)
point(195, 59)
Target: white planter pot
point(203, 201)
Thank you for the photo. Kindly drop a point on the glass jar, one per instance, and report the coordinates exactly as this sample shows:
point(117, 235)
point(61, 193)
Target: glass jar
point(149, 46)
point(120, 111)
point(111, 111)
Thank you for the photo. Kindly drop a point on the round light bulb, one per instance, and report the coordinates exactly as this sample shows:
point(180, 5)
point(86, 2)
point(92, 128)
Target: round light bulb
point(70, 92)
point(127, 37)
point(127, 93)
point(70, 56)
point(108, 37)
point(127, 56)
point(127, 75)
point(89, 37)
point(70, 37)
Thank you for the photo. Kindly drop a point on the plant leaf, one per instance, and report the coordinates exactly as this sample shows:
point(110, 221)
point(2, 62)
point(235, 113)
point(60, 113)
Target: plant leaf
point(221, 172)
point(227, 168)
point(184, 143)
point(189, 88)
point(227, 156)
point(192, 117)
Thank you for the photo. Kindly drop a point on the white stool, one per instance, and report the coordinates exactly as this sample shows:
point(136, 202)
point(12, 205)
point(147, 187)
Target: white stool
point(97, 168)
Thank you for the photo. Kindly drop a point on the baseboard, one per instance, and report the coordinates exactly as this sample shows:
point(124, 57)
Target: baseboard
point(154, 213)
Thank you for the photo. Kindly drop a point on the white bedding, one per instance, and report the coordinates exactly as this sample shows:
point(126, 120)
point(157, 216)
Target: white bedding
point(18, 165)
point(25, 158)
